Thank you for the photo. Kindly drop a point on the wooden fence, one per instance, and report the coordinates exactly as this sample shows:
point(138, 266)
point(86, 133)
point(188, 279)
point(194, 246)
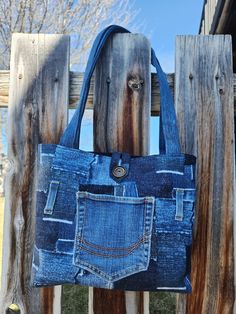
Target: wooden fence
point(215, 16)
point(41, 89)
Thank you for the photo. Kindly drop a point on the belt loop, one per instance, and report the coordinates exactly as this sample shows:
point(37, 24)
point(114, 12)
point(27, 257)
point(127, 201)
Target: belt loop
point(179, 214)
point(52, 194)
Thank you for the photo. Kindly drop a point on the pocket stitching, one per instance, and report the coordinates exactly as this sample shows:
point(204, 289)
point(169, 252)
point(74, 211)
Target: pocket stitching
point(114, 255)
point(129, 249)
point(97, 271)
point(146, 243)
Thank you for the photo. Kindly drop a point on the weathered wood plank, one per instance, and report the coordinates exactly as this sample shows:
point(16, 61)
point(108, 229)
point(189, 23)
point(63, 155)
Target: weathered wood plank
point(76, 80)
point(204, 102)
point(4, 88)
point(121, 123)
point(38, 99)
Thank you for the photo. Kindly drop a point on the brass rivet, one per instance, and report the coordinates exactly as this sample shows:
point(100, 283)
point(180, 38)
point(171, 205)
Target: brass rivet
point(118, 171)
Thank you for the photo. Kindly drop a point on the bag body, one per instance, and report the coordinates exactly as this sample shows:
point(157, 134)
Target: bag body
point(115, 221)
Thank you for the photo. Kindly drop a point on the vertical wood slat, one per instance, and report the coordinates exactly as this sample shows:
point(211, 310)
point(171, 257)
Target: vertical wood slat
point(204, 103)
point(39, 84)
point(121, 123)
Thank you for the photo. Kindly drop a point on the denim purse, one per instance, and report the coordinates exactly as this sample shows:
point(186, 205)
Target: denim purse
point(113, 220)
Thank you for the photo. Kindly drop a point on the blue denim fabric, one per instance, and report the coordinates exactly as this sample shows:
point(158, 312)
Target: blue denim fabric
point(114, 235)
point(96, 228)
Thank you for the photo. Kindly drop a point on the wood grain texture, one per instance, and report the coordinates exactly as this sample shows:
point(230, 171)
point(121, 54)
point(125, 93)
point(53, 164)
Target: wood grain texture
point(4, 88)
point(37, 112)
point(209, 12)
point(204, 103)
point(216, 16)
point(76, 80)
point(121, 123)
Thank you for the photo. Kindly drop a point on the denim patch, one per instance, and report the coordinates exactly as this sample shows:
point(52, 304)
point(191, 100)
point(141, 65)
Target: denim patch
point(97, 189)
point(105, 250)
point(166, 216)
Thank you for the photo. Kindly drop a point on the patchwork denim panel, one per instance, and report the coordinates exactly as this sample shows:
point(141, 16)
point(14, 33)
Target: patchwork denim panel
point(56, 237)
point(169, 266)
point(167, 210)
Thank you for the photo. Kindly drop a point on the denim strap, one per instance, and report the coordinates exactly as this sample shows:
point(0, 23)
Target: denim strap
point(169, 136)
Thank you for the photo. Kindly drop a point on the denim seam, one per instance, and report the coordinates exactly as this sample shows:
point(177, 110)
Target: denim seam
point(79, 228)
point(113, 198)
point(116, 275)
point(76, 232)
point(82, 218)
point(141, 240)
point(52, 252)
point(110, 255)
point(174, 232)
point(147, 227)
point(151, 209)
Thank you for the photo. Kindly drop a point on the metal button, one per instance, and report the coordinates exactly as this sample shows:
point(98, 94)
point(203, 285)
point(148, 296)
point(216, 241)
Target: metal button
point(118, 171)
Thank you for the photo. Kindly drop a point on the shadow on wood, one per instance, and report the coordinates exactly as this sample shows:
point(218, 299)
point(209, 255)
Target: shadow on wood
point(37, 113)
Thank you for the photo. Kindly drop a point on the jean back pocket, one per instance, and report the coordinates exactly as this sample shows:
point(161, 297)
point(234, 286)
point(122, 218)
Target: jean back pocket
point(113, 236)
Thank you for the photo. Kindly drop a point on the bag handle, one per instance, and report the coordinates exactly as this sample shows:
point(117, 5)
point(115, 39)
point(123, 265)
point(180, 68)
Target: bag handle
point(169, 135)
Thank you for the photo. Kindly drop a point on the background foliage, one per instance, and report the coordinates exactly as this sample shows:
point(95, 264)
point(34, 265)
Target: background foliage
point(75, 301)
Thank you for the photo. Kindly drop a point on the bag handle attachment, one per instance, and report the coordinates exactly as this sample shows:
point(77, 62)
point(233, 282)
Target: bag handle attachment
point(169, 136)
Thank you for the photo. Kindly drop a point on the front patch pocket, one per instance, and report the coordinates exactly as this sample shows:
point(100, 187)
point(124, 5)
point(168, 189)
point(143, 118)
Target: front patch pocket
point(113, 236)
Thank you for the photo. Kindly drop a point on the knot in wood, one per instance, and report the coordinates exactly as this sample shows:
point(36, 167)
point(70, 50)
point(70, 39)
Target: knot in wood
point(135, 84)
point(221, 91)
point(7, 165)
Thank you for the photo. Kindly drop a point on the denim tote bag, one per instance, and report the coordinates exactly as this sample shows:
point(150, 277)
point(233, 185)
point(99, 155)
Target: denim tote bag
point(115, 221)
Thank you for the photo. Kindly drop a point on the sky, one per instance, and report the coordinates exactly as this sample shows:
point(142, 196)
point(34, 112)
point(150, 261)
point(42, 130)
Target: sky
point(160, 21)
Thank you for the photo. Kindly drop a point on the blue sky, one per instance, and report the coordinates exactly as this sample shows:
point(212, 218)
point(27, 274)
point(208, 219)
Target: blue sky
point(162, 20)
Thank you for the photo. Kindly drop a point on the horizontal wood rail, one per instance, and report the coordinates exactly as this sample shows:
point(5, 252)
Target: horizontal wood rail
point(76, 80)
